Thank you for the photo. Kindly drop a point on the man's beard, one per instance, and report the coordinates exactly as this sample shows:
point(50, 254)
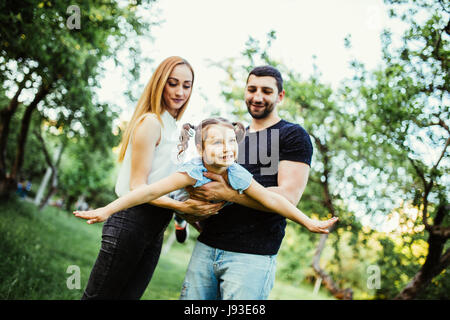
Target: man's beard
point(268, 108)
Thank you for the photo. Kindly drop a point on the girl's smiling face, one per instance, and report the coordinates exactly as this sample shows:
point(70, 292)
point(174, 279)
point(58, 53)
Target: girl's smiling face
point(220, 148)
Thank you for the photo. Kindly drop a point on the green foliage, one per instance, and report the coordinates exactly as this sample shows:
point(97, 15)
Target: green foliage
point(87, 171)
point(439, 288)
point(38, 246)
point(396, 269)
point(369, 139)
point(34, 166)
point(68, 61)
point(403, 107)
point(295, 256)
point(404, 103)
point(41, 46)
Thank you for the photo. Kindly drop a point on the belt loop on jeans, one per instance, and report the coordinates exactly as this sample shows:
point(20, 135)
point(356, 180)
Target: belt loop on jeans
point(217, 254)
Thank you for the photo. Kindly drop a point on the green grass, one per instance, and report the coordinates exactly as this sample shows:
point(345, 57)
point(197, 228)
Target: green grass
point(37, 247)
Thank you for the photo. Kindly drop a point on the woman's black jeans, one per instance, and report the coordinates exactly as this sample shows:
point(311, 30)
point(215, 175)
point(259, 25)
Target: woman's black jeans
point(130, 249)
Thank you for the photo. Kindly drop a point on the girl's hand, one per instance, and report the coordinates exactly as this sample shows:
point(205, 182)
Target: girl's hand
point(318, 226)
point(93, 216)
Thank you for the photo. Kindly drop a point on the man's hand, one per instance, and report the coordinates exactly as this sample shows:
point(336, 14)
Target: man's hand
point(217, 190)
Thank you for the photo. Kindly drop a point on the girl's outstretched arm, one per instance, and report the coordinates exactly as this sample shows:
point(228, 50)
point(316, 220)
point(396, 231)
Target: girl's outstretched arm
point(281, 205)
point(140, 195)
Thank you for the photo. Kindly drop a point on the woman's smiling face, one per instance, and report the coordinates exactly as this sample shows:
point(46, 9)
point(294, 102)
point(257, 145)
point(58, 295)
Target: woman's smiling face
point(177, 89)
point(220, 148)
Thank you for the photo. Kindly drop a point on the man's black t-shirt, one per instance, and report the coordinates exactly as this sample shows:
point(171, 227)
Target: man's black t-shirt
point(241, 229)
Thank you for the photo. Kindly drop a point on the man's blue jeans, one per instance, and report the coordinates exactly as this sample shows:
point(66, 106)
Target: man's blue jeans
point(215, 274)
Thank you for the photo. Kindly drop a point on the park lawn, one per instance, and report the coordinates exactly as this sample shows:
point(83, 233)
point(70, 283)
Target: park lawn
point(38, 247)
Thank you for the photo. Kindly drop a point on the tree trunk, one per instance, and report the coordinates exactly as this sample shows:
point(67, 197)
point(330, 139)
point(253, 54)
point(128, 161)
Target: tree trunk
point(52, 166)
point(433, 266)
point(435, 262)
point(344, 294)
point(26, 120)
point(5, 120)
point(69, 202)
point(53, 186)
point(54, 177)
point(50, 193)
point(52, 172)
point(7, 186)
point(40, 194)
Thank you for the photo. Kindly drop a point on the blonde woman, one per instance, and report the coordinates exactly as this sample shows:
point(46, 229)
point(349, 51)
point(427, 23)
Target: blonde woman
point(132, 239)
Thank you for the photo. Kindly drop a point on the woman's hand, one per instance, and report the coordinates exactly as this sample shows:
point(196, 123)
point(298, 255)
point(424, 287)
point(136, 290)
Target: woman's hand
point(200, 208)
point(93, 216)
point(217, 190)
point(318, 226)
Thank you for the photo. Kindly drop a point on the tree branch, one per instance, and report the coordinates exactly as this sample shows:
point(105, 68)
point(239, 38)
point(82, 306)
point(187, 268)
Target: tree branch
point(439, 123)
point(418, 171)
point(427, 188)
point(442, 154)
point(44, 148)
point(437, 229)
point(443, 232)
point(443, 6)
point(445, 260)
point(346, 294)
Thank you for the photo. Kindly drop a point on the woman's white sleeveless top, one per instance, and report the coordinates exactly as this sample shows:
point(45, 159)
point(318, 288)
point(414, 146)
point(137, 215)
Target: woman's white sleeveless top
point(164, 160)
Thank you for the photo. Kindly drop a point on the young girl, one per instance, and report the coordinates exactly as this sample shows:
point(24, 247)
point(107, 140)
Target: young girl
point(216, 140)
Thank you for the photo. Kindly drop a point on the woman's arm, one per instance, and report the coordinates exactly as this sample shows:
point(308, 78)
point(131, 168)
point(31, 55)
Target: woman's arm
point(195, 208)
point(281, 205)
point(140, 195)
point(145, 138)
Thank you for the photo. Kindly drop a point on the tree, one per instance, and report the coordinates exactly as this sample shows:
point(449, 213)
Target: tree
point(87, 171)
point(403, 106)
point(329, 126)
point(55, 68)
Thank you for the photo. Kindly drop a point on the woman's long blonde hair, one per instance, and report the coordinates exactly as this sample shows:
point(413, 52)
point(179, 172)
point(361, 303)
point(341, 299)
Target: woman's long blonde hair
point(151, 99)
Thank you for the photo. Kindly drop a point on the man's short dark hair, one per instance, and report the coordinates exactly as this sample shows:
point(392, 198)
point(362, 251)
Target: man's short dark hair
point(268, 71)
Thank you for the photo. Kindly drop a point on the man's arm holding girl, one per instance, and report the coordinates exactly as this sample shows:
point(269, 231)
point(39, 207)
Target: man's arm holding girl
point(292, 180)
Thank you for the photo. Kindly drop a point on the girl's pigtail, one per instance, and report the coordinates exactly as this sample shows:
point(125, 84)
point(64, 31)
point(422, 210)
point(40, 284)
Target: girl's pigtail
point(186, 133)
point(239, 129)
